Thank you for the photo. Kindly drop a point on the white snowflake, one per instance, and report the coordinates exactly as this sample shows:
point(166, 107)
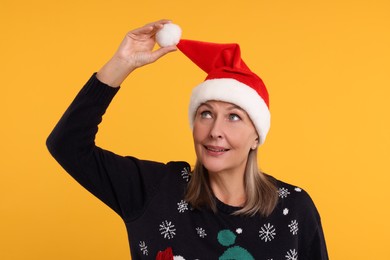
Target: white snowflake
point(178, 257)
point(292, 254)
point(201, 232)
point(182, 206)
point(298, 189)
point(143, 248)
point(185, 174)
point(285, 211)
point(293, 227)
point(267, 232)
point(167, 229)
point(283, 192)
point(239, 230)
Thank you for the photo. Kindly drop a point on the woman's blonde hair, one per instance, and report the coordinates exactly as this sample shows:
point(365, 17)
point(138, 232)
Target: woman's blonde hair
point(261, 191)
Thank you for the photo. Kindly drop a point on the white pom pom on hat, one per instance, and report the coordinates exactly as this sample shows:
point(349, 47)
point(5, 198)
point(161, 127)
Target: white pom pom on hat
point(228, 79)
point(169, 35)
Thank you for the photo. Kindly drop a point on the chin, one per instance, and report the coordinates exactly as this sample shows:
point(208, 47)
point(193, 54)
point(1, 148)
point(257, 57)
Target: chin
point(214, 167)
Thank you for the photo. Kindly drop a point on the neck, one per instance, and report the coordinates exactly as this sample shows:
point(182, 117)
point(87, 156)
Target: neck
point(228, 188)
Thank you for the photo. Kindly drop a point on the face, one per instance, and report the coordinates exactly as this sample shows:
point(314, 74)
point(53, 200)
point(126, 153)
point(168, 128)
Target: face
point(223, 136)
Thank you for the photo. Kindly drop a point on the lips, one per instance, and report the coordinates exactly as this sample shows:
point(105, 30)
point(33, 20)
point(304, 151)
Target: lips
point(216, 149)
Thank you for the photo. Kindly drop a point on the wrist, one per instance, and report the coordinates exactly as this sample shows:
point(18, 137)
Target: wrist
point(115, 71)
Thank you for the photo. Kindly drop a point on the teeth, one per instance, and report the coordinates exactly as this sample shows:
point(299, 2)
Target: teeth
point(215, 150)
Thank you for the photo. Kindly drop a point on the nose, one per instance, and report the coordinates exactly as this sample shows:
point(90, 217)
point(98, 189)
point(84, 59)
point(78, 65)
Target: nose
point(216, 130)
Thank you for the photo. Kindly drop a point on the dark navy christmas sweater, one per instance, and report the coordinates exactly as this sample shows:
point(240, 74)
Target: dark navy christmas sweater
point(149, 197)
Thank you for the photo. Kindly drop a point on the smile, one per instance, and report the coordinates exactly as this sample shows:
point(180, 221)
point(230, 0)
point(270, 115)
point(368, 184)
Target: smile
point(216, 149)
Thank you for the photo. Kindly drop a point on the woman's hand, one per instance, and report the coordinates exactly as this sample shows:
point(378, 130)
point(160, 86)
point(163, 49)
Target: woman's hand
point(136, 50)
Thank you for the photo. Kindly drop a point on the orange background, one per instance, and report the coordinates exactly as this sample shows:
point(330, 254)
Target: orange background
point(326, 65)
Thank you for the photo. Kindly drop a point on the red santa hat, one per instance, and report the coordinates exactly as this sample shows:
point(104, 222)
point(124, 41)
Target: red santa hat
point(228, 79)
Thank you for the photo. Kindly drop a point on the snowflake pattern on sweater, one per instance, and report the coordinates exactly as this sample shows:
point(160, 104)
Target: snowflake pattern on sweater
point(266, 232)
point(167, 229)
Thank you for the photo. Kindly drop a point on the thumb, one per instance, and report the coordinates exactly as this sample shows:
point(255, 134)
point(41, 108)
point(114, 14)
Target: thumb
point(157, 54)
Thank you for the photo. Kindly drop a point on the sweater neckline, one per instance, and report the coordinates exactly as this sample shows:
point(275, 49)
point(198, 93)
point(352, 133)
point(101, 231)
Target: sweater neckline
point(225, 208)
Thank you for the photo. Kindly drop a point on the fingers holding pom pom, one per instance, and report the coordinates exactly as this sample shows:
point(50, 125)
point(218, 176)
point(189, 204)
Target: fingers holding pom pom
point(169, 35)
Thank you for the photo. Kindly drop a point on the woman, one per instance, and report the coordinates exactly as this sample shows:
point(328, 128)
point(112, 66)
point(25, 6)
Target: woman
point(225, 208)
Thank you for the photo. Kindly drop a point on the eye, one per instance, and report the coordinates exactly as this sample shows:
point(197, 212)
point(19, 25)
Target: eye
point(234, 117)
point(205, 114)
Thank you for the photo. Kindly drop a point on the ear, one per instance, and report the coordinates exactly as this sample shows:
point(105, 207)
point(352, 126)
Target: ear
point(255, 144)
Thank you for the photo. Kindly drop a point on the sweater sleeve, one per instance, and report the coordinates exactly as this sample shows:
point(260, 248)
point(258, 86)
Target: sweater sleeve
point(123, 183)
point(313, 239)
point(317, 249)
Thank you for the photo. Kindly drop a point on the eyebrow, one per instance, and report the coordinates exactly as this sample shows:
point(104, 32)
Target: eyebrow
point(235, 107)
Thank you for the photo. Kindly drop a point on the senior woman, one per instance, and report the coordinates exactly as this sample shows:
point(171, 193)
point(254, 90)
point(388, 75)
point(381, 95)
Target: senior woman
point(225, 208)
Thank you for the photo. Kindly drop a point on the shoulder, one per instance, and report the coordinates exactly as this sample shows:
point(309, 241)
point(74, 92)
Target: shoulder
point(296, 201)
point(179, 166)
point(156, 166)
point(179, 170)
point(303, 220)
point(152, 173)
point(171, 170)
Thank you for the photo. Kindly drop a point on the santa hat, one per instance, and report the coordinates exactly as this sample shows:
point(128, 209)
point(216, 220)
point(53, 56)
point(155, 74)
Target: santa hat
point(228, 79)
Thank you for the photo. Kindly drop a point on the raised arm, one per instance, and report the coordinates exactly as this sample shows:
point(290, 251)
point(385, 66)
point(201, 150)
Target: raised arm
point(120, 182)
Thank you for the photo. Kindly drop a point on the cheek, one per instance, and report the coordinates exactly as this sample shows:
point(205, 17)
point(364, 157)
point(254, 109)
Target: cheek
point(197, 141)
point(199, 132)
point(197, 138)
point(242, 139)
